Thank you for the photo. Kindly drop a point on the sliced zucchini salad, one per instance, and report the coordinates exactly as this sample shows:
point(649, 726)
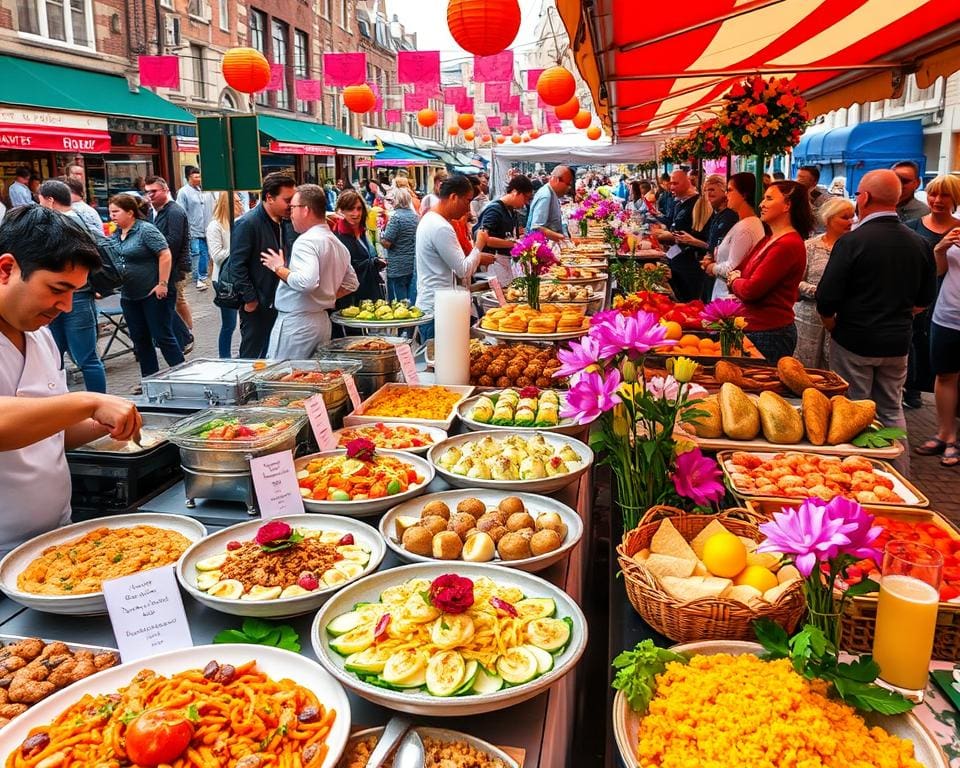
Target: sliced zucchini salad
point(453, 636)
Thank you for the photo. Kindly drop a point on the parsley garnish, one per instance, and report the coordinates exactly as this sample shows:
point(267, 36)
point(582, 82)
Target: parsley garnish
point(117, 557)
point(193, 714)
point(637, 671)
point(128, 717)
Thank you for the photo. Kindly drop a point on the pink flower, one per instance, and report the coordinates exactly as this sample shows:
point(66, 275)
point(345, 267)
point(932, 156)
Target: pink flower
point(719, 310)
point(591, 395)
point(275, 530)
point(577, 356)
point(670, 389)
point(808, 533)
point(361, 449)
point(451, 593)
point(858, 527)
point(697, 477)
point(635, 334)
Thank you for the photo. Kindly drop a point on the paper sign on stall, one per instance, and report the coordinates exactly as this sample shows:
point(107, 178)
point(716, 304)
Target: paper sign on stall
point(494, 283)
point(350, 383)
point(146, 612)
point(320, 422)
point(275, 481)
point(407, 365)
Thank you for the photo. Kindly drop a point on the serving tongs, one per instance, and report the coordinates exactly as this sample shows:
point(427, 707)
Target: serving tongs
point(392, 735)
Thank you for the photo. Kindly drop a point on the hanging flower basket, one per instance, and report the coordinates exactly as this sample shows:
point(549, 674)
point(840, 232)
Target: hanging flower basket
point(763, 116)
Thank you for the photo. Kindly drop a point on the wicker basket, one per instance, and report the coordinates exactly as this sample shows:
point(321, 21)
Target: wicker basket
point(710, 618)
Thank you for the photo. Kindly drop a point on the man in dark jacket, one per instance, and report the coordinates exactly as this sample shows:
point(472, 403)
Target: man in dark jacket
point(878, 277)
point(172, 222)
point(267, 227)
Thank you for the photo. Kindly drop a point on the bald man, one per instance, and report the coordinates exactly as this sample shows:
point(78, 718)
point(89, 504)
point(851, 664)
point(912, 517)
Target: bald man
point(545, 209)
point(878, 277)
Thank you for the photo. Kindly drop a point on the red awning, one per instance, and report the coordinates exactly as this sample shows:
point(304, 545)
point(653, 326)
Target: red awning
point(653, 67)
point(289, 148)
point(53, 139)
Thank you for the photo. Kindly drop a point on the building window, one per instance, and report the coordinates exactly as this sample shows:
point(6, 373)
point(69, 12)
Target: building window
point(68, 21)
point(326, 9)
point(223, 6)
point(345, 14)
point(258, 41)
point(280, 38)
point(301, 63)
point(199, 66)
point(199, 9)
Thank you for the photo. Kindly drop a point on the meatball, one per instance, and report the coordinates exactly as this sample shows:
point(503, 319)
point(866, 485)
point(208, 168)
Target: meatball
point(473, 507)
point(519, 520)
point(488, 521)
point(447, 545)
point(434, 523)
point(436, 507)
point(544, 541)
point(418, 540)
point(461, 524)
point(497, 532)
point(513, 546)
point(511, 504)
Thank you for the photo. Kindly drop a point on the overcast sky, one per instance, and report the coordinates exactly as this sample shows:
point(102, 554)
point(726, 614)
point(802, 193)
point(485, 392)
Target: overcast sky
point(428, 18)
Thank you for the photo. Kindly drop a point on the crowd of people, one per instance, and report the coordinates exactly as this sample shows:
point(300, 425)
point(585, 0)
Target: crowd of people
point(850, 285)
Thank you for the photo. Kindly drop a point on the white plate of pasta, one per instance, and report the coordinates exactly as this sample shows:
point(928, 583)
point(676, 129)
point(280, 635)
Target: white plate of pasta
point(410, 639)
point(298, 708)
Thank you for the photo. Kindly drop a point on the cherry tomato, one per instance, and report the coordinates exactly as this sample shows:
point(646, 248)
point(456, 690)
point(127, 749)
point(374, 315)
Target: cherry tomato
point(158, 736)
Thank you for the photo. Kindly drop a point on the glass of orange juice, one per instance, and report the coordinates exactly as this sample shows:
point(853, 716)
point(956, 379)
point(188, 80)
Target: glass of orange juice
point(907, 616)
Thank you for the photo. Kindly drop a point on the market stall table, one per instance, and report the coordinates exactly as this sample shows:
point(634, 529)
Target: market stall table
point(541, 726)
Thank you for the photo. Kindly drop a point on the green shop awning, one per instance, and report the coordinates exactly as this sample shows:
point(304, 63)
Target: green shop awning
point(299, 137)
point(36, 84)
point(398, 157)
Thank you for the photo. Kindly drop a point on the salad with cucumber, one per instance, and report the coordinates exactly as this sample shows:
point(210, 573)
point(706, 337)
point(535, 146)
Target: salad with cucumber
point(231, 429)
point(452, 636)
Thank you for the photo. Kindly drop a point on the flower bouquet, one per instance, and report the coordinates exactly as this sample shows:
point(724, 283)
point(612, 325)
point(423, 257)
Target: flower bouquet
point(762, 116)
point(534, 256)
point(636, 415)
point(726, 317)
point(677, 150)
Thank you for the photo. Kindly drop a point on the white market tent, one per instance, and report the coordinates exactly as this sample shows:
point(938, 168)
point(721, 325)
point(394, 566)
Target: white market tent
point(568, 149)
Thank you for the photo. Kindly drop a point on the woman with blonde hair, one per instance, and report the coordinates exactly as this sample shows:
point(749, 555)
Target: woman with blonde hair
point(813, 341)
point(403, 183)
point(218, 244)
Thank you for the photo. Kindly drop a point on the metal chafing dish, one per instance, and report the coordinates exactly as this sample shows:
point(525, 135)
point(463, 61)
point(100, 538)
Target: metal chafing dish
point(220, 469)
point(110, 476)
point(379, 363)
point(271, 382)
point(203, 383)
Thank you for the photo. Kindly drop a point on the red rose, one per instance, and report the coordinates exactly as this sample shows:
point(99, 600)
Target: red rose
point(361, 449)
point(737, 91)
point(787, 101)
point(275, 530)
point(760, 109)
point(451, 593)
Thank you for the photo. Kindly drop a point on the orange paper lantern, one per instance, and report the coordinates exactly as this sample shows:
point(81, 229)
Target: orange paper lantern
point(465, 120)
point(485, 138)
point(594, 133)
point(516, 138)
point(469, 135)
point(556, 86)
point(452, 130)
point(359, 98)
point(483, 27)
point(246, 70)
point(534, 134)
point(427, 118)
point(501, 139)
point(582, 119)
point(568, 110)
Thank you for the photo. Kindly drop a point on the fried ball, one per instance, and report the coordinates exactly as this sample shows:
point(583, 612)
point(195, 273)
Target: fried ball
point(479, 548)
point(513, 546)
point(497, 532)
point(473, 507)
point(434, 523)
point(489, 520)
point(418, 540)
point(461, 524)
point(527, 533)
point(544, 541)
point(513, 371)
point(485, 381)
point(436, 507)
point(519, 520)
point(447, 546)
point(544, 381)
point(549, 521)
point(504, 381)
point(511, 504)
point(524, 381)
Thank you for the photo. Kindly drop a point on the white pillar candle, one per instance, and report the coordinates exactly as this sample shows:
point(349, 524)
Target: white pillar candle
point(452, 336)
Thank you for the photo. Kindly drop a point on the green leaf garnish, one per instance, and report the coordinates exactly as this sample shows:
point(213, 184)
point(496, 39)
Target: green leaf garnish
point(878, 437)
point(637, 671)
point(193, 714)
point(259, 632)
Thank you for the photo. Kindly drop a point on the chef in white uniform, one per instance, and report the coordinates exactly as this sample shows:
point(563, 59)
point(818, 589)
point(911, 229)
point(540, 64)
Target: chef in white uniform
point(44, 257)
point(319, 273)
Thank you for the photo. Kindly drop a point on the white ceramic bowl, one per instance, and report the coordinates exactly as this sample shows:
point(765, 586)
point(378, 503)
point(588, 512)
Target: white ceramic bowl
point(369, 589)
point(534, 504)
point(92, 603)
point(276, 663)
point(369, 507)
point(281, 607)
point(565, 427)
point(541, 485)
point(444, 736)
point(435, 434)
point(626, 722)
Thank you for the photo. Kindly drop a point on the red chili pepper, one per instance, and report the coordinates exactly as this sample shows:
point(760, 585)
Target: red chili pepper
point(503, 605)
point(380, 631)
point(345, 540)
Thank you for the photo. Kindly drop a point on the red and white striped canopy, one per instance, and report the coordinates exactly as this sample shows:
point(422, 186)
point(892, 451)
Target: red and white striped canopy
point(654, 66)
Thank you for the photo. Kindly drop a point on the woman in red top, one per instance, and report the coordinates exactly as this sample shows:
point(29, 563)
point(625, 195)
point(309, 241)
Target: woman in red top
point(768, 282)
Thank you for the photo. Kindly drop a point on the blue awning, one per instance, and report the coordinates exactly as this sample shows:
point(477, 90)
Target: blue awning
point(884, 141)
point(394, 156)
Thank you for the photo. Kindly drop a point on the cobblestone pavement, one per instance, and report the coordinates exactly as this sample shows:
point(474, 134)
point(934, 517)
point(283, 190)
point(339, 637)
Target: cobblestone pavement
point(940, 484)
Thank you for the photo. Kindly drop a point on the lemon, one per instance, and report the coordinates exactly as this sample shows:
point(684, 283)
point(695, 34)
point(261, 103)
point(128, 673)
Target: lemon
point(724, 555)
point(757, 577)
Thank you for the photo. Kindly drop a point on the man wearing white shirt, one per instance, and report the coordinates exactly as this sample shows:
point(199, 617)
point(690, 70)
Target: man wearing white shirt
point(319, 273)
point(440, 259)
point(19, 191)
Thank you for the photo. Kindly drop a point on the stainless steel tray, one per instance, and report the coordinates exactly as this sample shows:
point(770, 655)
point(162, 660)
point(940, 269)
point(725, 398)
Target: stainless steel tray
point(203, 383)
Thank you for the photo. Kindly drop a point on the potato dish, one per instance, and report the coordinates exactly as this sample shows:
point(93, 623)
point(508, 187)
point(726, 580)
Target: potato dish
point(511, 458)
point(79, 566)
